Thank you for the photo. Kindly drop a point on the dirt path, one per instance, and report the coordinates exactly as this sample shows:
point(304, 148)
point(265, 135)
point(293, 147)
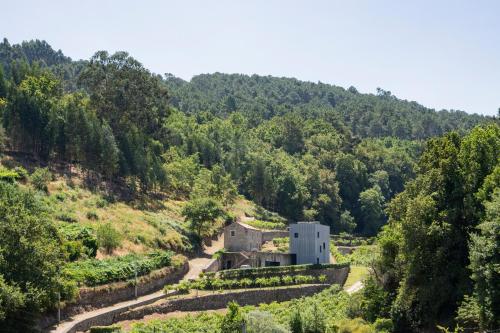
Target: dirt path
point(355, 287)
point(195, 267)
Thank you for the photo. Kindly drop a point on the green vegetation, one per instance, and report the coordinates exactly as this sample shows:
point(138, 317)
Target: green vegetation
point(147, 162)
point(108, 238)
point(30, 259)
point(271, 270)
point(266, 225)
point(40, 178)
point(323, 311)
point(356, 273)
point(442, 223)
point(211, 283)
point(105, 329)
point(304, 150)
point(92, 272)
point(363, 255)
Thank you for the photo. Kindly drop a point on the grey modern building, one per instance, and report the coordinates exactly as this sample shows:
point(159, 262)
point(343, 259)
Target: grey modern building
point(310, 242)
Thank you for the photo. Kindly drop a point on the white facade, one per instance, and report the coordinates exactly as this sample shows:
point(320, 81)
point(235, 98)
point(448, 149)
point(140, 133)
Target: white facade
point(310, 242)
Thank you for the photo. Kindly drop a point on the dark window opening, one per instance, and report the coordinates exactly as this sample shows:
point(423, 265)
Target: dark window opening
point(233, 233)
point(320, 249)
point(296, 235)
point(318, 234)
point(272, 263)
point(228, 264)
point(324, 246)
point(317, 261)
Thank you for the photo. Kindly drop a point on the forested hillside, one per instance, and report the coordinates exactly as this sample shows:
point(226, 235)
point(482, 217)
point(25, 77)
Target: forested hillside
point(260, 98)
point(359, 163)
point(305, 150)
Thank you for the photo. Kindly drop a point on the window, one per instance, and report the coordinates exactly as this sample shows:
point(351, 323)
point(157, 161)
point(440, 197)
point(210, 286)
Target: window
point(296, 235)
point(318, 234)
point(320, 249)
point(233, 233)
point(317, 261)
point(324, 246)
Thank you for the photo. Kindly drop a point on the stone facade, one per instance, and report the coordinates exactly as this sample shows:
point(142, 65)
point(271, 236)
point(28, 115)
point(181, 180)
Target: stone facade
point(239, 237)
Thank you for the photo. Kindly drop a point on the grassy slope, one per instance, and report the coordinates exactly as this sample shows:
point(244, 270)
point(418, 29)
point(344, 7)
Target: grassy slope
point(153, 222)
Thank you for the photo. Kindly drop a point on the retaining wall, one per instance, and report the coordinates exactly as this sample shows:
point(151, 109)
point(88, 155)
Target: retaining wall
point(202, 303)
point(102, 296)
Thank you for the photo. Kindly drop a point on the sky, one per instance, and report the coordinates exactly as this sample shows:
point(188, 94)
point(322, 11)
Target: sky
point(442, 54)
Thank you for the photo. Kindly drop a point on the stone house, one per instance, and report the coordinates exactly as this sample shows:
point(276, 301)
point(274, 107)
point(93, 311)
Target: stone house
point(309, 243)
point(239, 237)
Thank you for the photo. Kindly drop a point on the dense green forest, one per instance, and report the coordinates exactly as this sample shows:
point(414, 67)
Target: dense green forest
point(308, 151)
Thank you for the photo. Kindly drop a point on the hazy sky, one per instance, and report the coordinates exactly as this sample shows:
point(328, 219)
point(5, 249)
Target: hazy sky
point(443, 54)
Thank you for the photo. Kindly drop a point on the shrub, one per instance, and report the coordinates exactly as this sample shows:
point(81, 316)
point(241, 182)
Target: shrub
point(101, 203)
point(66, 217)
point(106, 329)
point(108, 238)
point(287, 280)
point(73, 250)
point(233, 320)
point(383, 325)
point(9, 176)
point(356, 325)
point(93, 272)
point(60, 197)
point(263, 322)
point(183, 287)
point(85, 235)
point(22, 173)
point(40, 178)
point(246, 283)
point(92, 215)
point(296, 322)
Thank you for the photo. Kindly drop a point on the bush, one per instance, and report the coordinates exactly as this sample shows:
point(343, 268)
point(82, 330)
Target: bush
point(66, 217)
point(106, 329)
point(263, 322)
point(40, 179)
point(84, 235)
point(92, 215)
point(93, 272)
point(22, 172)
point(383, 325)
point(184, 287)
point(108, 238)
point(356, 325)
point(9, 176)
point(73, 250)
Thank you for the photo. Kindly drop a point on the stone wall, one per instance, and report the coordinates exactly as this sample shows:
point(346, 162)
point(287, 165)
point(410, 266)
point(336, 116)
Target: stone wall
point(219, 301)
point(102, 296)
point(213, 266)
point(239, 237)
